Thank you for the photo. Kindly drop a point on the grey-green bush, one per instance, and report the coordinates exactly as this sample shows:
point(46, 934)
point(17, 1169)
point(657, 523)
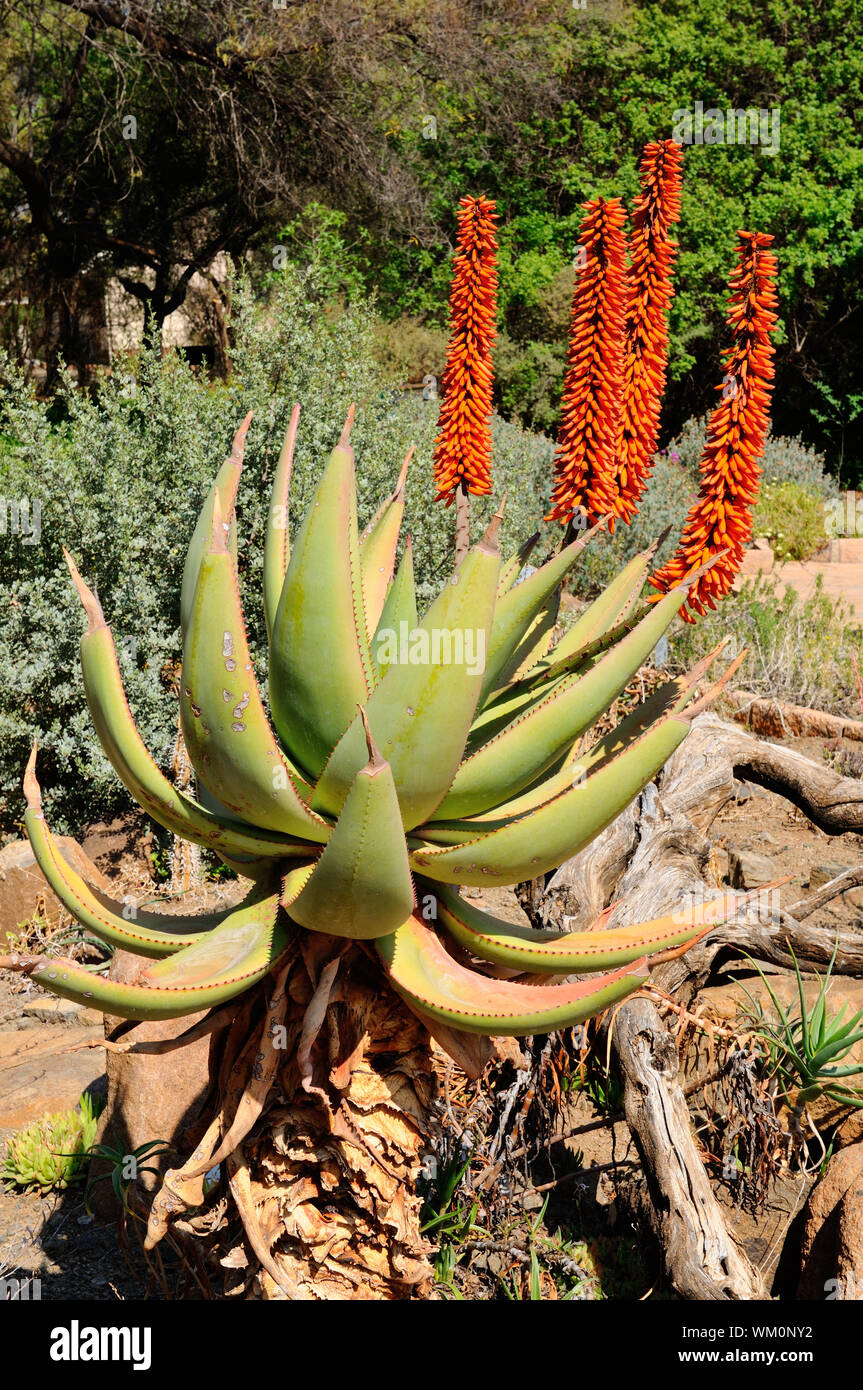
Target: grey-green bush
point(785, 460)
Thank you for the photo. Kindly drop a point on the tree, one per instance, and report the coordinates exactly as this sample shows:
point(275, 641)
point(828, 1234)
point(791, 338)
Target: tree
point(142, 139)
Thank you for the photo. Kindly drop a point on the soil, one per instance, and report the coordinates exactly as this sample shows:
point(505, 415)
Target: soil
point(49, 1054)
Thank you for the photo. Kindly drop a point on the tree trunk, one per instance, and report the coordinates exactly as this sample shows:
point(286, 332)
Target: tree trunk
point(333, 1164)
point(317, 1106)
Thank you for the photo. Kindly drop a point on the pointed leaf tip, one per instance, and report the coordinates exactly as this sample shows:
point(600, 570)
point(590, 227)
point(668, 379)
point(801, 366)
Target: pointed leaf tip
point(90, 603)
point(655, 546)
point(375, 762)
point(402, 478)
point(238, 446)
point(489, 540)
point(32, 790)
point(344, 437)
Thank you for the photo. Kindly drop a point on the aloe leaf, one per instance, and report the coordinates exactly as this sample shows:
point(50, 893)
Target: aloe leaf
point(361, 886)
point(428, 978)
point(277, 543)
point(421, 710)
point(227, 732)
point(320, 667)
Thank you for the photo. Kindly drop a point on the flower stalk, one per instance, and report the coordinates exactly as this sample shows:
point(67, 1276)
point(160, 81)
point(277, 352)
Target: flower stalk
point(585, 481)
point(462, 454)
point(720, 521)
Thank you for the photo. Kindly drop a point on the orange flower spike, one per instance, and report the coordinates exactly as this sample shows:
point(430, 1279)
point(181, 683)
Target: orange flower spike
point(649, 294)
point(721, 517)
point(462, 454)
point(585, 481)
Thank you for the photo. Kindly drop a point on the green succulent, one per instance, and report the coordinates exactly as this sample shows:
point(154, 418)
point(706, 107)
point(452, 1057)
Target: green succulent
point(406, 757)
point(51, 1152)
point(804, 1045)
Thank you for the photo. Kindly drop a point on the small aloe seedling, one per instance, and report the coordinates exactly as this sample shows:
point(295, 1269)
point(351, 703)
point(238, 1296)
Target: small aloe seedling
point(804, 1045)
point(125, 1168)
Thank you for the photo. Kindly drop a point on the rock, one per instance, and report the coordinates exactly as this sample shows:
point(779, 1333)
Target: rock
point(749, 869)
point(23, 890)
point(850, 550)
point(760, 557)
point(820, 874)
point(850, 1130)
point(832, 1244)
point(725, 999)
point(47, 1076)
point(65, 1012)
point(123, 843)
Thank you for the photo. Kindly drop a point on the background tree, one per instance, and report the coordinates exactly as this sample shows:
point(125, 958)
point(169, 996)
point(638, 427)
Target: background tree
point(142, 139)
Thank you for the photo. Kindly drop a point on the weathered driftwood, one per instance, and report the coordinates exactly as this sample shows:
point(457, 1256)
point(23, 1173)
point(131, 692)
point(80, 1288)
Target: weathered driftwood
point(702, 1259)
point(777, 719)
point(832, 802)
point(652, 860)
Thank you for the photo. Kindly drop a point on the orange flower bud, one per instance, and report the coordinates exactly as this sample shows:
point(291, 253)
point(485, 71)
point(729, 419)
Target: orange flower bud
point(650, 291)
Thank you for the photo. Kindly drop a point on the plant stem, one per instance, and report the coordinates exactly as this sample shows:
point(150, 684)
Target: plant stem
point(462, 523)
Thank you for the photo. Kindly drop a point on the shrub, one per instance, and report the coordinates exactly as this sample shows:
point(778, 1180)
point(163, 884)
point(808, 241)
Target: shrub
point(407, 350)
point(784, 459)
point(792, 519)
point(119, 476)
point(799, 650)
point(52, 1152)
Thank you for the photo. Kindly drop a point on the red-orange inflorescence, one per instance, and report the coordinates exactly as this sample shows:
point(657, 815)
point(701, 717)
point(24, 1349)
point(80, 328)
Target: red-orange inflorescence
point(649, 293)
point(585, 482)
point(721, 518)
point(462, 453)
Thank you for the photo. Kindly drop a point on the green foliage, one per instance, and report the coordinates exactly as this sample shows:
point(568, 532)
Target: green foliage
point(792, 519)
point(837, 412)
point(410, 351)
point(451, 1217)
point(124, 1169)
point(800, 650)
point(785, 460)
point(52, 1152)
point(803, 1045)
point(119, 476)
point(315, 242)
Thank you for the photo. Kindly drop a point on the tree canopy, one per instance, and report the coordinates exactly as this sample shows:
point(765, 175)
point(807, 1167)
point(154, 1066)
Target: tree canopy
point(140, 138)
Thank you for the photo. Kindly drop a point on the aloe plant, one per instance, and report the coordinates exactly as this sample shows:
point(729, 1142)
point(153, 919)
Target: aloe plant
point(406, 757)
point(804, 1045)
